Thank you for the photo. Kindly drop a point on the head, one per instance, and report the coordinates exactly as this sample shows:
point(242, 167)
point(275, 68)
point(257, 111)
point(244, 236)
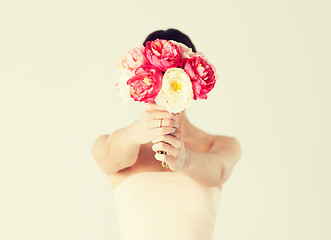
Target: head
point(171, 34)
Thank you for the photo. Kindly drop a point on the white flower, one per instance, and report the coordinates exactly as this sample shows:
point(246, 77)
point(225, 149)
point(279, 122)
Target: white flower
point(176, 92)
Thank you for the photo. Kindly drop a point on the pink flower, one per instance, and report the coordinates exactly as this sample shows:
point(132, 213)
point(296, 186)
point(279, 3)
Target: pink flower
point(202, 75)
point(162, 54)
point(186, 52)
point(133, 59)
point(145, 84)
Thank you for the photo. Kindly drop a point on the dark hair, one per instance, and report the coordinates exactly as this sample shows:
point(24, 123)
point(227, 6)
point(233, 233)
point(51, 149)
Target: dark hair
point(171, 34)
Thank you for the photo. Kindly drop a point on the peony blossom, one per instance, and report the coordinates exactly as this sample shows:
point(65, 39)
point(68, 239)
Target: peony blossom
point(123, 89)
point(202, 75)
point(185, 51)
point(176, 92)
point(133, 59)
point(162, 54)
point(145, 84)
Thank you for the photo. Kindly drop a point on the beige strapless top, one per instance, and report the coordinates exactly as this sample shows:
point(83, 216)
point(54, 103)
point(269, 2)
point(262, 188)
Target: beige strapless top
point(165, 205)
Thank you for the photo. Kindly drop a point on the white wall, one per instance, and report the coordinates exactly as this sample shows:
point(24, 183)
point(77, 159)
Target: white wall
point(57, 96)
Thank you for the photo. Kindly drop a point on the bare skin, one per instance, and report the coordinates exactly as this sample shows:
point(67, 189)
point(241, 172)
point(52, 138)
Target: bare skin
point(208, 159)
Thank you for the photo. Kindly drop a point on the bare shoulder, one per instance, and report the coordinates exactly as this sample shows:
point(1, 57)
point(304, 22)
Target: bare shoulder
point(219, 143)
point(226, 145)
point(224, 140)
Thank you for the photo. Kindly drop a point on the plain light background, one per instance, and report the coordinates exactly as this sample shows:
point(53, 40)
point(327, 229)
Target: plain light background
point(57, 96)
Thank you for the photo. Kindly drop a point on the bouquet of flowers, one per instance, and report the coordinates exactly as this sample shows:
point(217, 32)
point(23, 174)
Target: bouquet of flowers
point(165, 72)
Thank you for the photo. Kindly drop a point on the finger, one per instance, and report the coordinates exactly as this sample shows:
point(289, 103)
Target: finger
point(164, 158)
point(162, 146)
point(161, 157)
point(162, 115)
point(177, 134)
point(169, 139)
point(169, 123)
point(156, 132)
point(165, 123)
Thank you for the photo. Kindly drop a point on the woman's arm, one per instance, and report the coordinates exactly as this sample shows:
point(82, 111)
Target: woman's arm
point(215, 167)
point(120, 149)
point(209, 169)
point(116, 151)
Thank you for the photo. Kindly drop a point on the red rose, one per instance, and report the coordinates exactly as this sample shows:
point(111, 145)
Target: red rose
point(146, 83)
point(162, 54)
point(202, 75)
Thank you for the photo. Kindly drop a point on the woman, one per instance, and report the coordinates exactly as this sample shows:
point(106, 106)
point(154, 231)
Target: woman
point(177, 202)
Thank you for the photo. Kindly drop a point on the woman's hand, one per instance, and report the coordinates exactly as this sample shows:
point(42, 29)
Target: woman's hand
point(173, 144)
point(147, 126)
